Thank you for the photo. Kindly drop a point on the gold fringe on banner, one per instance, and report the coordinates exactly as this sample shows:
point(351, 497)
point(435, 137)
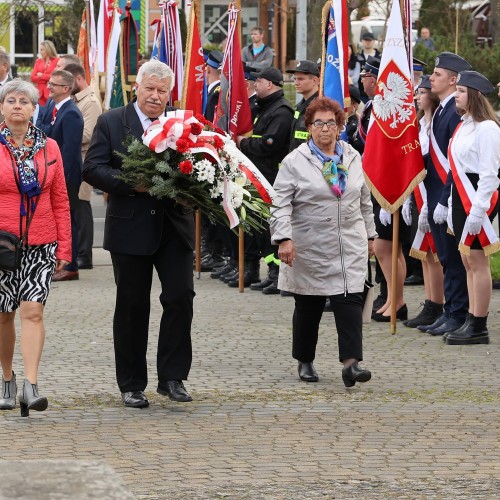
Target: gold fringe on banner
point(407, 192)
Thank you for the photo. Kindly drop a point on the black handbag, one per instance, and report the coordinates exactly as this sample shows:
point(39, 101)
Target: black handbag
point(11, 244)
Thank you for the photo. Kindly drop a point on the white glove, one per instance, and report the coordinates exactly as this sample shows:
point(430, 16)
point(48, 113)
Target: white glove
point(423, 222)
point(406, 211)
point(440, 214)
point(385, 217)
point(474, 224)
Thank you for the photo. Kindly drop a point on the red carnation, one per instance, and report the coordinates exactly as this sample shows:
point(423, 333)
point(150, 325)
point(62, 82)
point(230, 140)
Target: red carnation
point(196, 128)
point(186, 167)
point(182, 145)
point(202, 119)
point(218, 142)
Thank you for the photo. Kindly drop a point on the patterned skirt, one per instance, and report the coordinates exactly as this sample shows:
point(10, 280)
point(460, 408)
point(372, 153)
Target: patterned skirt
point(31, 282)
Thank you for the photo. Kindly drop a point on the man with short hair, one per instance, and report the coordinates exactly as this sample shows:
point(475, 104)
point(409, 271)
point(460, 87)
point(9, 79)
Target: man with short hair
point(63, 122)
point(425, 39)
point(306, 79)
point(434, 212)
point(266, 148)
point(90, 107)
point(67, 59)
point(143, 233)
point(257, 55)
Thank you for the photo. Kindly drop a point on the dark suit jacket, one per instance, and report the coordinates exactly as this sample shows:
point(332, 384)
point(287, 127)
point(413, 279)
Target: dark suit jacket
point(67, 131)
point(443, 128)
point(134, 221)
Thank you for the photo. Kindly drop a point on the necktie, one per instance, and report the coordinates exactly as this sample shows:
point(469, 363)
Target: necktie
point(54, 114)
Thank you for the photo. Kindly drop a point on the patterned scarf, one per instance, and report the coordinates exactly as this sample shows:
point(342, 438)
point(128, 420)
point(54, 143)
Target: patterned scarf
point(23, 154)
point(334, 172)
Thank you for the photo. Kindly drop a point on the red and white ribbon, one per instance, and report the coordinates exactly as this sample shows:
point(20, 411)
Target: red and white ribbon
point(439, 160)
point(423, 242)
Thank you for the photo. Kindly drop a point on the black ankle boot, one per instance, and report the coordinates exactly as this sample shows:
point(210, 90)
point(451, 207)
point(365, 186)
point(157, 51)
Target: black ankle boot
point(251, 275)
point(475, 333)
point(430, 312)
point(462, 329)
point(272, 276)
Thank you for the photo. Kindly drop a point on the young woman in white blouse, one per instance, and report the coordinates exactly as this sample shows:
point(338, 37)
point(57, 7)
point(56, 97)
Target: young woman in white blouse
point(474, 156)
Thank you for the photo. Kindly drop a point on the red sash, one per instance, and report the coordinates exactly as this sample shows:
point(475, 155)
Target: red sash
point(487, 236)
point(423, 242)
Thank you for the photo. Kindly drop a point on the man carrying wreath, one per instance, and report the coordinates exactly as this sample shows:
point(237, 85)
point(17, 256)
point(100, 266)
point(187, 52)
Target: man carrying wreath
point(143, 232)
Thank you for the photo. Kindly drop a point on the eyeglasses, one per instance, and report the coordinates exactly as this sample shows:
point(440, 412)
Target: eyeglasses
point(52, 84)
point(321, 124)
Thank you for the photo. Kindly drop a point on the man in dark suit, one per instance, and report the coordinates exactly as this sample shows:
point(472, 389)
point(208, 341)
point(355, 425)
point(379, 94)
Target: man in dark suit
point(438, 184)
point(142, 233)
point(62, 121)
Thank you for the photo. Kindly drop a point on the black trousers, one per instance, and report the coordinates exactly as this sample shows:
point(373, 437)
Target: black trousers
point(85, 231)
point(307, 315)
point(173, 262)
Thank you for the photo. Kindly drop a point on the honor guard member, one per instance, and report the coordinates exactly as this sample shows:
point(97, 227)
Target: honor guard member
point(418, 71)
point(438, 183)
point(368, 51)
point(266, 148)
point(306, 78)
point(213, 69)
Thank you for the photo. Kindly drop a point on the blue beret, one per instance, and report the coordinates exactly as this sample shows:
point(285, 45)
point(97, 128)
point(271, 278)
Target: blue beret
point(475, 80)
point(371, 66)
point(452, 62)
point(214, 59)
point(424, 82)
point(418, 65)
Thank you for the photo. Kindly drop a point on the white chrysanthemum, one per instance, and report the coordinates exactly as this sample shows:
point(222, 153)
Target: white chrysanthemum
point(205, 171)
point(233, 158)
point(217, 189)
point(236, 194)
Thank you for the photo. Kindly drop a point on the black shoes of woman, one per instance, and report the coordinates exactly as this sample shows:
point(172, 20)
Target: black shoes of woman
point(401, 313)
point(31, 400)
point(307, 373)
point(354, 373)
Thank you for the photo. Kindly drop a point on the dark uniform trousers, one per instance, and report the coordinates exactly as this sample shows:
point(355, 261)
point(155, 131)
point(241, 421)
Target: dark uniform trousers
point(347, 310)
point(173, 261)
point(85, 231)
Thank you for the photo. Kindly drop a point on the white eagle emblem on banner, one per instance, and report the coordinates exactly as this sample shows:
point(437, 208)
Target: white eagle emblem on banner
point(391, 101)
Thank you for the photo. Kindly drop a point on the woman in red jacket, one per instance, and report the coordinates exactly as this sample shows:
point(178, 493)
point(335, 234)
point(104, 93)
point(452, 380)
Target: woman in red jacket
point(32, 186)
point(43, 69)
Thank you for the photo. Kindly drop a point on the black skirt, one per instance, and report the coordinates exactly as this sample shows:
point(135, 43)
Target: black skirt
point(459, 216)
point(385, 232)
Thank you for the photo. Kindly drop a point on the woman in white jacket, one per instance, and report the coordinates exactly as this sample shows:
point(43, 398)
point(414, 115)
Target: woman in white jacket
point(322, 221)
point(474, 156)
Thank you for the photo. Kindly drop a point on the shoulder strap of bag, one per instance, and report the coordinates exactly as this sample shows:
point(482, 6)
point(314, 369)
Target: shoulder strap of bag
point(23, 236)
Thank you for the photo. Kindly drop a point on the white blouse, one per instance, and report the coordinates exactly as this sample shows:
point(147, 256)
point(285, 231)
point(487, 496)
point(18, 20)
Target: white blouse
point(423, 135)
point(476, 150)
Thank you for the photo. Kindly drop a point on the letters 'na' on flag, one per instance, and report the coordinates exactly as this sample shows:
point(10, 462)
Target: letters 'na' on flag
point(334, 77)
point(233, 113)
point(392, 161)
point(104, 25)
point(111, 56)
point(194, 68)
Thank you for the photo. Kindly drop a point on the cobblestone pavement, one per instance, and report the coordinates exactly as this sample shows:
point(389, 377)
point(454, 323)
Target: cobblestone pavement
point(425, 426)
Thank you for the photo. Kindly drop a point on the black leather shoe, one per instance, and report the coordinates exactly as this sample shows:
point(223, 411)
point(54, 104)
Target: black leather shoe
point(414, 280)
point(284, 293)
point(307, 373)
point(401, 313)
point(272, 289)
point(260, 286)
point(461, 330)
point(135, 399)
point(355, 373)
point(176, 391)
point(450, 326)
point(82, 264)
point(439, 321)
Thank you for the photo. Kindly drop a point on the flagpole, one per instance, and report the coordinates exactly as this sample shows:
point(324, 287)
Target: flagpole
point(241, 233)
point(394, 263)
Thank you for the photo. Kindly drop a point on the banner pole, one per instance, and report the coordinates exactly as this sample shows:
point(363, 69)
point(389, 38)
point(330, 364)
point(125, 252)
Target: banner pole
point(394, 263)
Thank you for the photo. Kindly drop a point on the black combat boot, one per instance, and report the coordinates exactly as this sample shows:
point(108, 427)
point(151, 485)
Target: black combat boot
point(266, 282)
point(251, 275)
point(430, 313)
point(272, 289)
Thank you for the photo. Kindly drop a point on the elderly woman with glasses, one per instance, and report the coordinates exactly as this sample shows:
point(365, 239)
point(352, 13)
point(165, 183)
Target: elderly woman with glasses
point(33, 204)
point(322, 221)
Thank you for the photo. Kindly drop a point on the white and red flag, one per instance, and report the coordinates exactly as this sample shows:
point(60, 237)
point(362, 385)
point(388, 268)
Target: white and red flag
point(104, 23)
point(233, 114)
point(392, 160)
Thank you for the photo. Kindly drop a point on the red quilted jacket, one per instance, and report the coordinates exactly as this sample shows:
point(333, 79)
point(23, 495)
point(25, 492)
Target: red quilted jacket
point(51, 221)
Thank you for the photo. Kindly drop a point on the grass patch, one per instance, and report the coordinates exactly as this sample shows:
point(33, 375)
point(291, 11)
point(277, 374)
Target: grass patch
point(495, 266)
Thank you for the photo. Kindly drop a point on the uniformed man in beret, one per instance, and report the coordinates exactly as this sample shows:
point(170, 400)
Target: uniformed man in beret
point(266, 148)
point(368, 50)
point(306, 78)
point(438, 183)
